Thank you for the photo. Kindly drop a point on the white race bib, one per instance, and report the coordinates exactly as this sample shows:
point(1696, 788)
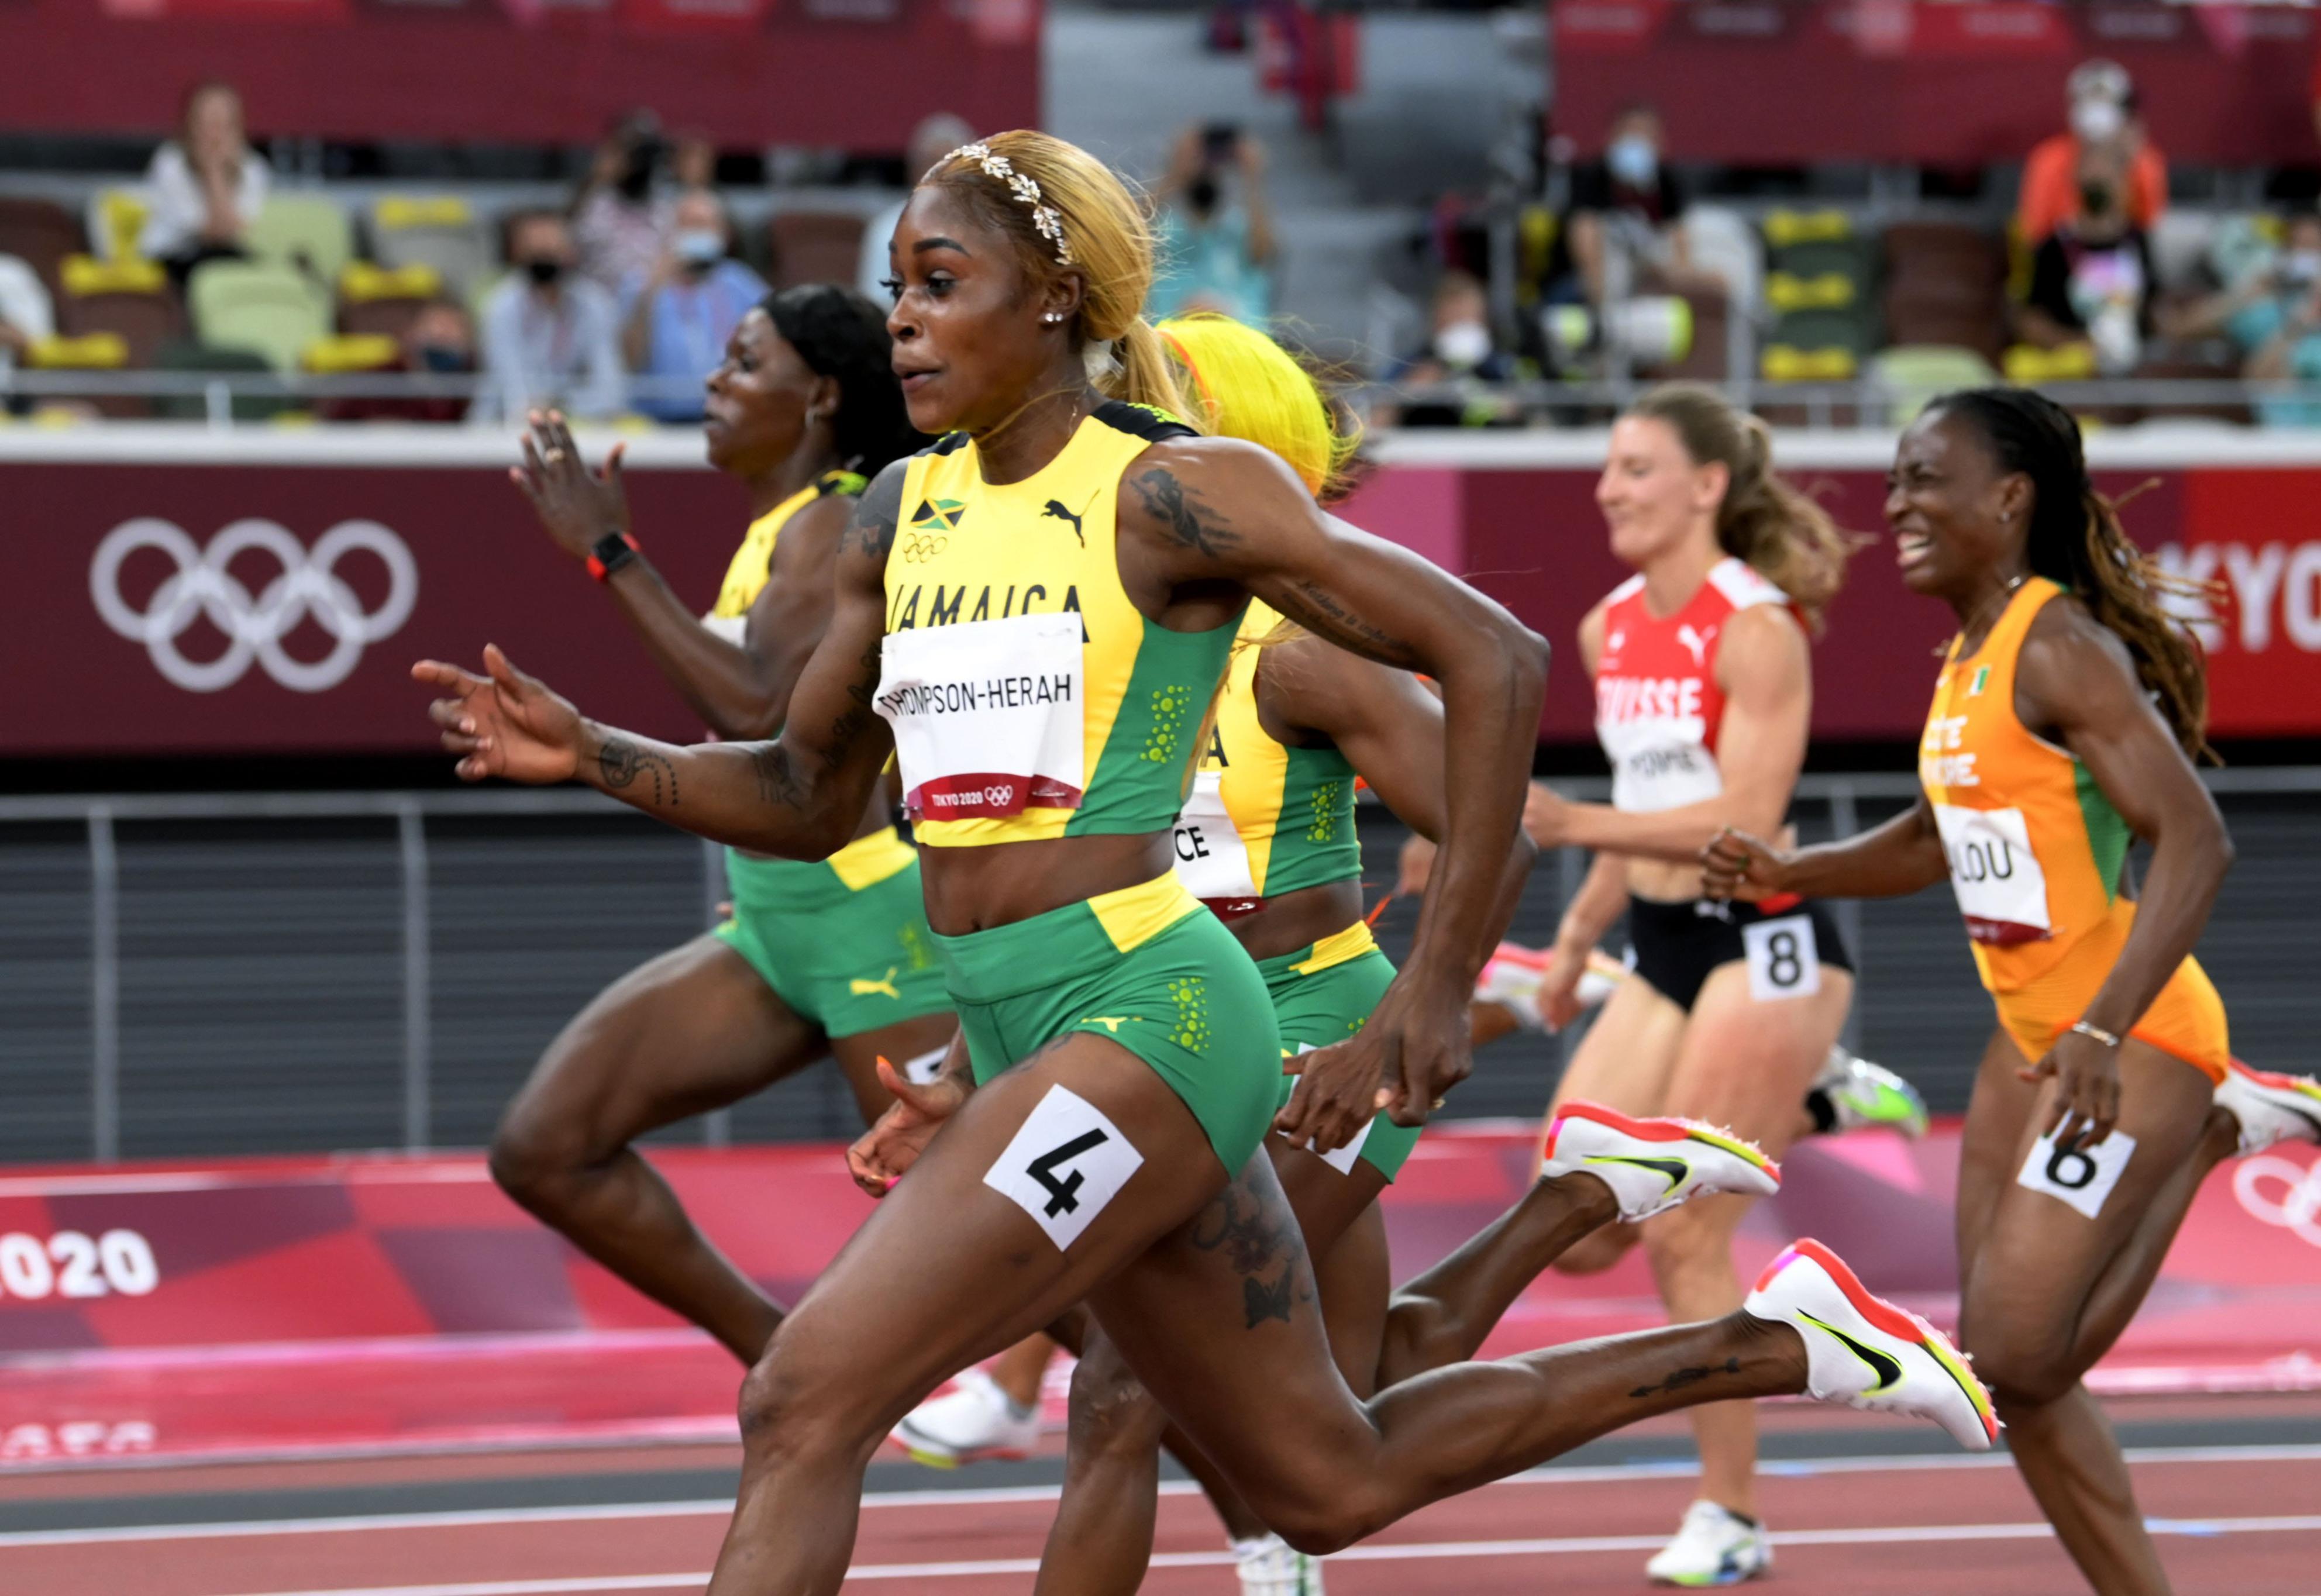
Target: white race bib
point(1784, 957)
point(2001, 890)
point(2082, 1177)
point(986, 715)
point(1212, 861)
point(1066, 1162)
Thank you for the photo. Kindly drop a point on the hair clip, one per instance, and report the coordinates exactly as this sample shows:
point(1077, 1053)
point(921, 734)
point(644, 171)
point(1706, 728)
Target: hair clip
point(1046, 220)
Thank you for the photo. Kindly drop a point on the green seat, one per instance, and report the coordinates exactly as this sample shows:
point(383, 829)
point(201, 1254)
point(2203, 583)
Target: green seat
point(1913, 373)
point(1824, 329)
point(195, 357)
point(254, 306)
point(436, 231)
point(305, 231)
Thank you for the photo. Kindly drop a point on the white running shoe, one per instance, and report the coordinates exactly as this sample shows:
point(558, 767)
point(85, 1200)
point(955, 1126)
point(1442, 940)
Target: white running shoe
point(972, 1421)
point(1861, 1094)
point(1863, 1352)
point(2269, 1107)
point(1652, 1165)
point(1511, 979)
point(1715, 1547)
point(1271, 1567)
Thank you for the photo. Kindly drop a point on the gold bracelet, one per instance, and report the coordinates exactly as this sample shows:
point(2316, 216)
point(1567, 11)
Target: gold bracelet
point(2100, 1035)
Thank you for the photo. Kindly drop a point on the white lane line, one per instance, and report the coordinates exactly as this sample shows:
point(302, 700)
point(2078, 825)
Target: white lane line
point(1403, 1552)
point(720, 1507)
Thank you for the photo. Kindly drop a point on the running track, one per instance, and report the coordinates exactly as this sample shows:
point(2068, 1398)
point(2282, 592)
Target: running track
point(2234, 1485)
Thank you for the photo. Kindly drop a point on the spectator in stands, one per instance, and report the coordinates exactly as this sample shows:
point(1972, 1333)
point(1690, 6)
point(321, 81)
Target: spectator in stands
point(935, 137)
point(1622, 224)
point(2275, 319)
point(680, 318)
point(26, 315)
point(2103, 117)
point(550, 335)
point(692, 162)
point(1459, 354)
point(2093, 280)
point(440, 341)
point(621, 219)
point(204, 187)
point(1213, 229)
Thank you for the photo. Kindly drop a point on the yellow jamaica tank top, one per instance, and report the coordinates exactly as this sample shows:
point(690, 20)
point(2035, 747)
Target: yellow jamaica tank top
point(1263, 818)
point(2036, 851)
point(1029, 696)
point(745, 574)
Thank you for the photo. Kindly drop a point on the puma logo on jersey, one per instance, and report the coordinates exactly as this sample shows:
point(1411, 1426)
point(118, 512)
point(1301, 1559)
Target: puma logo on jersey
point(882, 987)
point(1056, 508)
point(1696, 643)
point(1111, 1022)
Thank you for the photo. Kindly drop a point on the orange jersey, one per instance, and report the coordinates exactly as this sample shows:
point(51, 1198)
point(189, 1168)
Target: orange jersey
point(2037, 856)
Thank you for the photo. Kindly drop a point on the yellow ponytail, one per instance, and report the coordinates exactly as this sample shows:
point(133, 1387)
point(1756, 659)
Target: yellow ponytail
point(1245, 385)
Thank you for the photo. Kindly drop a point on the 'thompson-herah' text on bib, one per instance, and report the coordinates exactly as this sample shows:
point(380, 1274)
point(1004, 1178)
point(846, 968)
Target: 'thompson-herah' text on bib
point(986, 715)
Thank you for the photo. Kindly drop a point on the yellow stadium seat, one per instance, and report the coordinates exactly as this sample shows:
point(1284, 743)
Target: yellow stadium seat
point(1785, 363)
point(95, 351)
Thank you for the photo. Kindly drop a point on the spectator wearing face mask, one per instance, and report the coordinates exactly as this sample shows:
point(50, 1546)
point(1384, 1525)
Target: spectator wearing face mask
point(2275, 319)
point(2092, 279)
point(2103, 117)
point(680, 318)
point(1462, 354)
point(550, 337)
point(622, 220)
point(1213, 230)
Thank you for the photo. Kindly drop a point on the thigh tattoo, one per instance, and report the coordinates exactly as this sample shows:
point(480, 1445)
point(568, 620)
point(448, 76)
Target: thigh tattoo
point(1261, 1242)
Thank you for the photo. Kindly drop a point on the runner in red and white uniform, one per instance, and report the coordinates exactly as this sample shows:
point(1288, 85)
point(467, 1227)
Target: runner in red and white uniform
point(1704, 693)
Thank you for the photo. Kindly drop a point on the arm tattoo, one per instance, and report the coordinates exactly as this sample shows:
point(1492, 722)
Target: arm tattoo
point(1315, 609)
point(1263, 1246)
point(777, 781)
point(871, 527)
point(1186, 519)
point(620, 761)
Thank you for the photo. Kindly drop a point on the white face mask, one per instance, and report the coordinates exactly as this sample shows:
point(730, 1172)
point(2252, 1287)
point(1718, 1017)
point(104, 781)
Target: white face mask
point(699, 246)
point(1633, 159)
point(1463, 344)
point(2301, 267)
point(2097, 120)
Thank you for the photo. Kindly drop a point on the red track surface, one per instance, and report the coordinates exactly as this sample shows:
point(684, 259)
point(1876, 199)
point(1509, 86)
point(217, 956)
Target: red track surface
point(2247, 1522)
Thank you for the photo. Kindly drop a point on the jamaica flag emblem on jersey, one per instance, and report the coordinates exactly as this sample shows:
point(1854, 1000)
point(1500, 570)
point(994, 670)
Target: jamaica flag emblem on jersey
point(939, 515)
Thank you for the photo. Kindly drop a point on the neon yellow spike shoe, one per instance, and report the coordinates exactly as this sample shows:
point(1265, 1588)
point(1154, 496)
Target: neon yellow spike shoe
point(2269, 1107)
point(1860, 1094)
point(1652, 1165)
point(1863, 1352)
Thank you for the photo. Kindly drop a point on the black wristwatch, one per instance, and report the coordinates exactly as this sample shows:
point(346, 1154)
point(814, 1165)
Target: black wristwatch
point(613, 551)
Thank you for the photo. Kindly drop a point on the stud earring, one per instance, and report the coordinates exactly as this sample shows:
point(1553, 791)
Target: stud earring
point(1053, 318)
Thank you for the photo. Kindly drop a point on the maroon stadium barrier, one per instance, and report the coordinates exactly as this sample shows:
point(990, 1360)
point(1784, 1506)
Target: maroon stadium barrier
point(125, 618)
point(358, 1303)
point(748, 72)
point(1961, 83)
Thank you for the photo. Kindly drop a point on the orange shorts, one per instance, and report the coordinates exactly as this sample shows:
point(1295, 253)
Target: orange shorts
point(2185, 1020)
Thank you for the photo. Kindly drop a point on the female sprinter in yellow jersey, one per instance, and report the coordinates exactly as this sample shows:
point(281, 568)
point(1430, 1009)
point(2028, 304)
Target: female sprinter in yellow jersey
point(1033, 617)
point(818, 959)
point(2065, 721)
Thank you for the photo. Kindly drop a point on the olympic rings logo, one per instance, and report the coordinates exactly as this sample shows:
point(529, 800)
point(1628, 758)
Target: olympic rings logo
point(917, 546)
point(2297, 1208)
point(203, 586)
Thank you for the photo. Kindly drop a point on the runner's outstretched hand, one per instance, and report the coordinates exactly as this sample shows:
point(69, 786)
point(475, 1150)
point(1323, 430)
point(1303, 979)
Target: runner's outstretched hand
point(881, 1155)
point(505, 723)
point(1413, 1050)
point(1741, 867)
point(578, 507)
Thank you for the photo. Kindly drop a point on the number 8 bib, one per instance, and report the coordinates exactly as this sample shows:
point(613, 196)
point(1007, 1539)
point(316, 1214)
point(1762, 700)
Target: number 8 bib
point(1784, 957)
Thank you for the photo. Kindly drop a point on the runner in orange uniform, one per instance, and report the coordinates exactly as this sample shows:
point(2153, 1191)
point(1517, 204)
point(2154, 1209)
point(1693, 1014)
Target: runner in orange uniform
point(2064, 722)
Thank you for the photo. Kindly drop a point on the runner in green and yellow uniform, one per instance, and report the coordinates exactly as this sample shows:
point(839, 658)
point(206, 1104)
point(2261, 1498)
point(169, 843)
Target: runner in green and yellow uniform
point(829, 959)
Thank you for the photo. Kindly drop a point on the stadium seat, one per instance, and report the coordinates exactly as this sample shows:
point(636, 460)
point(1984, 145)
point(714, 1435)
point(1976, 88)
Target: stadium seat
point(375, 300)
point(1708, 355)
point(91, 352)
point(306, 232)
point(437, 231)
point(269, 310)
point(198, 357)
point(1944, 284)
point(130, 298)
point(41, 233)
point(1913, 373)
point(813, 247)
point(116, 222)
point(1723, 244)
